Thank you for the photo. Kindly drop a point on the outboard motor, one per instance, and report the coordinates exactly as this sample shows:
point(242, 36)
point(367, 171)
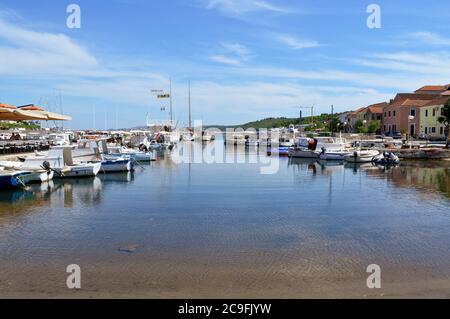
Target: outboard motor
point(46, 166)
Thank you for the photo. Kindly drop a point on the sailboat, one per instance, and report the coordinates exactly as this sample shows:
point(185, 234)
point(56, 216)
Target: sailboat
point(190, 134)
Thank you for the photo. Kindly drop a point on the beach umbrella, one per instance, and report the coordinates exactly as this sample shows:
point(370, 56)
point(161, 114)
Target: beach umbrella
point(13, 114)
point(53, 116)
point(29, 113)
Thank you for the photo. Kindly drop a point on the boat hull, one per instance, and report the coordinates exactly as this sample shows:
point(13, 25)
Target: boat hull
point(298, 153)
point(124, 165)
point(361, 157)
point(333, 156)
point(281, 151)
point(10, 180)
point(39, 177)
point(81, 170)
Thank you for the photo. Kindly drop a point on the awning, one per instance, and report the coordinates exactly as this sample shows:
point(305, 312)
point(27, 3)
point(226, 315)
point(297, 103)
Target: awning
point(10, 113)
point(53, 116)
point(18, 115)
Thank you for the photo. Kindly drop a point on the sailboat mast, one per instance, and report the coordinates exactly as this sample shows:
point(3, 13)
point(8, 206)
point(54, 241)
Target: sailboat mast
point(171, 114)
point(190, 117)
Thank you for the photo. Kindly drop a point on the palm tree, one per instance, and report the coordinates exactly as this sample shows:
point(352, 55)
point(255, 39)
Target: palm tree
point(445, 119)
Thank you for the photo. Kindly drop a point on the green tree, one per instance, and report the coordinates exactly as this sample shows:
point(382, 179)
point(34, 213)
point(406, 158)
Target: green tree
point(334, 124)
point(374, 126)
point(445, 119)
point(360, 127)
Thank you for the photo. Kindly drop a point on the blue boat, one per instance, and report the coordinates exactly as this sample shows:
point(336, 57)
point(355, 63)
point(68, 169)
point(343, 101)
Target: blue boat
point(14, 179)
point(280, 151)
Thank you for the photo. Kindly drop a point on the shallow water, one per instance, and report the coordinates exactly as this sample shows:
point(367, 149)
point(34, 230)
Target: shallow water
point(182, 229)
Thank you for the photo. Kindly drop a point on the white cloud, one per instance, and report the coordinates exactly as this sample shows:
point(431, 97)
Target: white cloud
point(236, 48)
point(23, 50)
point(233, 54)
point(225, 60)
point(239, 8)
point(295, 43)
point(430, 38)
point(253, 100)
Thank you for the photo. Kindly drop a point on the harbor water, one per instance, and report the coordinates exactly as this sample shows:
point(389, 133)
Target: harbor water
point(220, 230)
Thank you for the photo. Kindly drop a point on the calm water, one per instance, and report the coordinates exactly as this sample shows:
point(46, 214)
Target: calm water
point(169, 223)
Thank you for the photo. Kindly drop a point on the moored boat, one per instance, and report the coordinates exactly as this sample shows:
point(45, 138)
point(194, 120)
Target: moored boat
point(13, 179)
point(117, 165)
point(386, 159)
point(362, 156)
point(333, 155)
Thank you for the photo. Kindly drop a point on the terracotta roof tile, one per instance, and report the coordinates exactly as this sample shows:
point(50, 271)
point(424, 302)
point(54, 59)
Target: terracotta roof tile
point(440, 101)
point(433, 88)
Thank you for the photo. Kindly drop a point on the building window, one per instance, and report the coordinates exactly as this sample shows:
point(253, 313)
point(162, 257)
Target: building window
point(389, 113)
point(434, 113)
point(385, 114)
point(394, 128)
point(413, 112)
point(426, 130)
point(426, 113)
point(385, 128)
point(395, 113)
point(433, 130)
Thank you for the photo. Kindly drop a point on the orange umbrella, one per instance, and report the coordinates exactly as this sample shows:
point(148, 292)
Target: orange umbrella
point(7, 106)
point(9, 114)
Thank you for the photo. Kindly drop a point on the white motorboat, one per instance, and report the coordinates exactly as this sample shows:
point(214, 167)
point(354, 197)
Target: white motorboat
point(208, 137)
point(189, 137)
point(362, 156)
point(311, 147)
point(59, 159)
point(128, 153)
point(333, 155)
point(120, 164)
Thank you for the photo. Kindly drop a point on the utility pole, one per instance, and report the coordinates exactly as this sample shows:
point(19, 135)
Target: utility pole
point(332, 119)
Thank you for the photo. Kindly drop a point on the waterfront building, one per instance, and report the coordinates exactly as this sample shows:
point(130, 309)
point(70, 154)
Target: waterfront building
point(434, 89)
point(403, 113)
point(429, 118)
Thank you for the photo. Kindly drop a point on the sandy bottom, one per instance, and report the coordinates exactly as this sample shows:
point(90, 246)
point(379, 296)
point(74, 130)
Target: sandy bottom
point(147, 280)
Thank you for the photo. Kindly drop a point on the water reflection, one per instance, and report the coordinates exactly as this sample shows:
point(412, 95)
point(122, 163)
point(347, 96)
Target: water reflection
point(419, 175)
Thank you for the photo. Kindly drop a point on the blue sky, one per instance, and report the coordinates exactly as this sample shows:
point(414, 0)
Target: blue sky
point(247, 59)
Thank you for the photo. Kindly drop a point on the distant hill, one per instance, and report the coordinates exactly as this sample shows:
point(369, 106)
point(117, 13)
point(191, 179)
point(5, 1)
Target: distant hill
point(266, 123)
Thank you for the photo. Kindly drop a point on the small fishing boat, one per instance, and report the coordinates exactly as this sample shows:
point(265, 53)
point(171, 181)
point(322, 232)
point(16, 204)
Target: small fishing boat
point(333, 155)
point(280, 151)
point(189, 137)
point(120, 164)
point(13, 179)
point(207, 137)
point(362, 156)
point(128, 153)
point(39, 174)
point(310, 147)
point(60, 161)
